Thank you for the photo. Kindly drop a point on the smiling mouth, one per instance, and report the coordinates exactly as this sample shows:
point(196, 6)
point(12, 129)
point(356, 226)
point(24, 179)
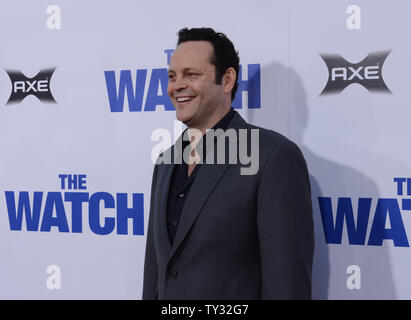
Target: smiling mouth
point(184, 99)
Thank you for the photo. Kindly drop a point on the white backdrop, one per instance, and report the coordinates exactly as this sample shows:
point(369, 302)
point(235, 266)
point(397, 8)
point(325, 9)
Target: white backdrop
point(74, 241)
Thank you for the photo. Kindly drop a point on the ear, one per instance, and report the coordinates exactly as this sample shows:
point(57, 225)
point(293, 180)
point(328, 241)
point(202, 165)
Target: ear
point(229, 80)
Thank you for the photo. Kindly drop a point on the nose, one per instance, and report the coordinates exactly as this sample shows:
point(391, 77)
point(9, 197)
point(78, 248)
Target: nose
point(178, 85)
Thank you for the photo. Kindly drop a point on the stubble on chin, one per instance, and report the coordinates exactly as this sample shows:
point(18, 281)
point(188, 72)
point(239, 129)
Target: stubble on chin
point(182, 118)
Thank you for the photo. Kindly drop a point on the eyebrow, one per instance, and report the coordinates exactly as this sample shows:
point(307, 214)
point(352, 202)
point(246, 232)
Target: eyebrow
point(184, 70)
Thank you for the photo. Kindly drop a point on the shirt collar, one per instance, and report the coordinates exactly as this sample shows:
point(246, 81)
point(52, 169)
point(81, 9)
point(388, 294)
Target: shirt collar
point(224, 121)
point(221, 124)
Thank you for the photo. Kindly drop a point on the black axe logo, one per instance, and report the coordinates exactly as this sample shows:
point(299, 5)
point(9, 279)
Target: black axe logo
point(367, 72)
point(22, 86)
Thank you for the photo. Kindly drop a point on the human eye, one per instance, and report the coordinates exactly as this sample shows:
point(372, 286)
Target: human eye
point(192, 74)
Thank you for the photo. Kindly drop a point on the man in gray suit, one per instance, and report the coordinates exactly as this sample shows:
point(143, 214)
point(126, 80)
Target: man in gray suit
point(217, 231)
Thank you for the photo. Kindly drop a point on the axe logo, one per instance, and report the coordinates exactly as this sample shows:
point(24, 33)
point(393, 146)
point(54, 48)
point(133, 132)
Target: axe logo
point(367, 72)
point(22, 86)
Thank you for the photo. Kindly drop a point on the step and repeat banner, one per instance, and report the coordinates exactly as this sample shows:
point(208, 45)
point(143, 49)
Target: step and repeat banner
point(83, 93)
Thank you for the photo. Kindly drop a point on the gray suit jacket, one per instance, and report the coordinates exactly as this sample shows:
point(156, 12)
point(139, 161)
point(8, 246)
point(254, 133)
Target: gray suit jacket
point(240, 236)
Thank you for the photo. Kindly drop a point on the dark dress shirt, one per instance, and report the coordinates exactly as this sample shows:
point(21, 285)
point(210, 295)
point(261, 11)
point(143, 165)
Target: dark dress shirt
point(181, 183)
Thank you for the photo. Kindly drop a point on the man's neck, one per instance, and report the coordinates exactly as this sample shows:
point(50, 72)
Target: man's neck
point(213, 121)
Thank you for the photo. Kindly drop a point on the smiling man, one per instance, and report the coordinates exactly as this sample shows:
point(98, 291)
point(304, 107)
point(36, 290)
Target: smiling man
point(199, 100)
point(213, 232)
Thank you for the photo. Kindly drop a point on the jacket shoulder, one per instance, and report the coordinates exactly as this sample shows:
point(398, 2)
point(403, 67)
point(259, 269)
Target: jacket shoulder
point(270, 140)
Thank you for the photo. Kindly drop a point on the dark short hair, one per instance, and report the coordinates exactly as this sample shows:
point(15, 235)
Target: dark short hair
point(225, 55)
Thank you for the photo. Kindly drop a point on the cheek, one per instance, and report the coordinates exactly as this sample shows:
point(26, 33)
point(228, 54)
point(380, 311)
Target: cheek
point(169, 90)
point(213, 93)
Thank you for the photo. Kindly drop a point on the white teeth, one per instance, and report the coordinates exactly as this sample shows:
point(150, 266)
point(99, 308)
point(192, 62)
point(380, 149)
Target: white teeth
point(184, 99)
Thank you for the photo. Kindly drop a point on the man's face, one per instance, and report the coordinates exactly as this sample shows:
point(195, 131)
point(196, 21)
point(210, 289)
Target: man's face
point(191, 86)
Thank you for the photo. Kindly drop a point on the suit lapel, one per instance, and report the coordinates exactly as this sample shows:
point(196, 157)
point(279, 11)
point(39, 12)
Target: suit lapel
point(164, 181)
point(164, 187)
point(207, 178)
